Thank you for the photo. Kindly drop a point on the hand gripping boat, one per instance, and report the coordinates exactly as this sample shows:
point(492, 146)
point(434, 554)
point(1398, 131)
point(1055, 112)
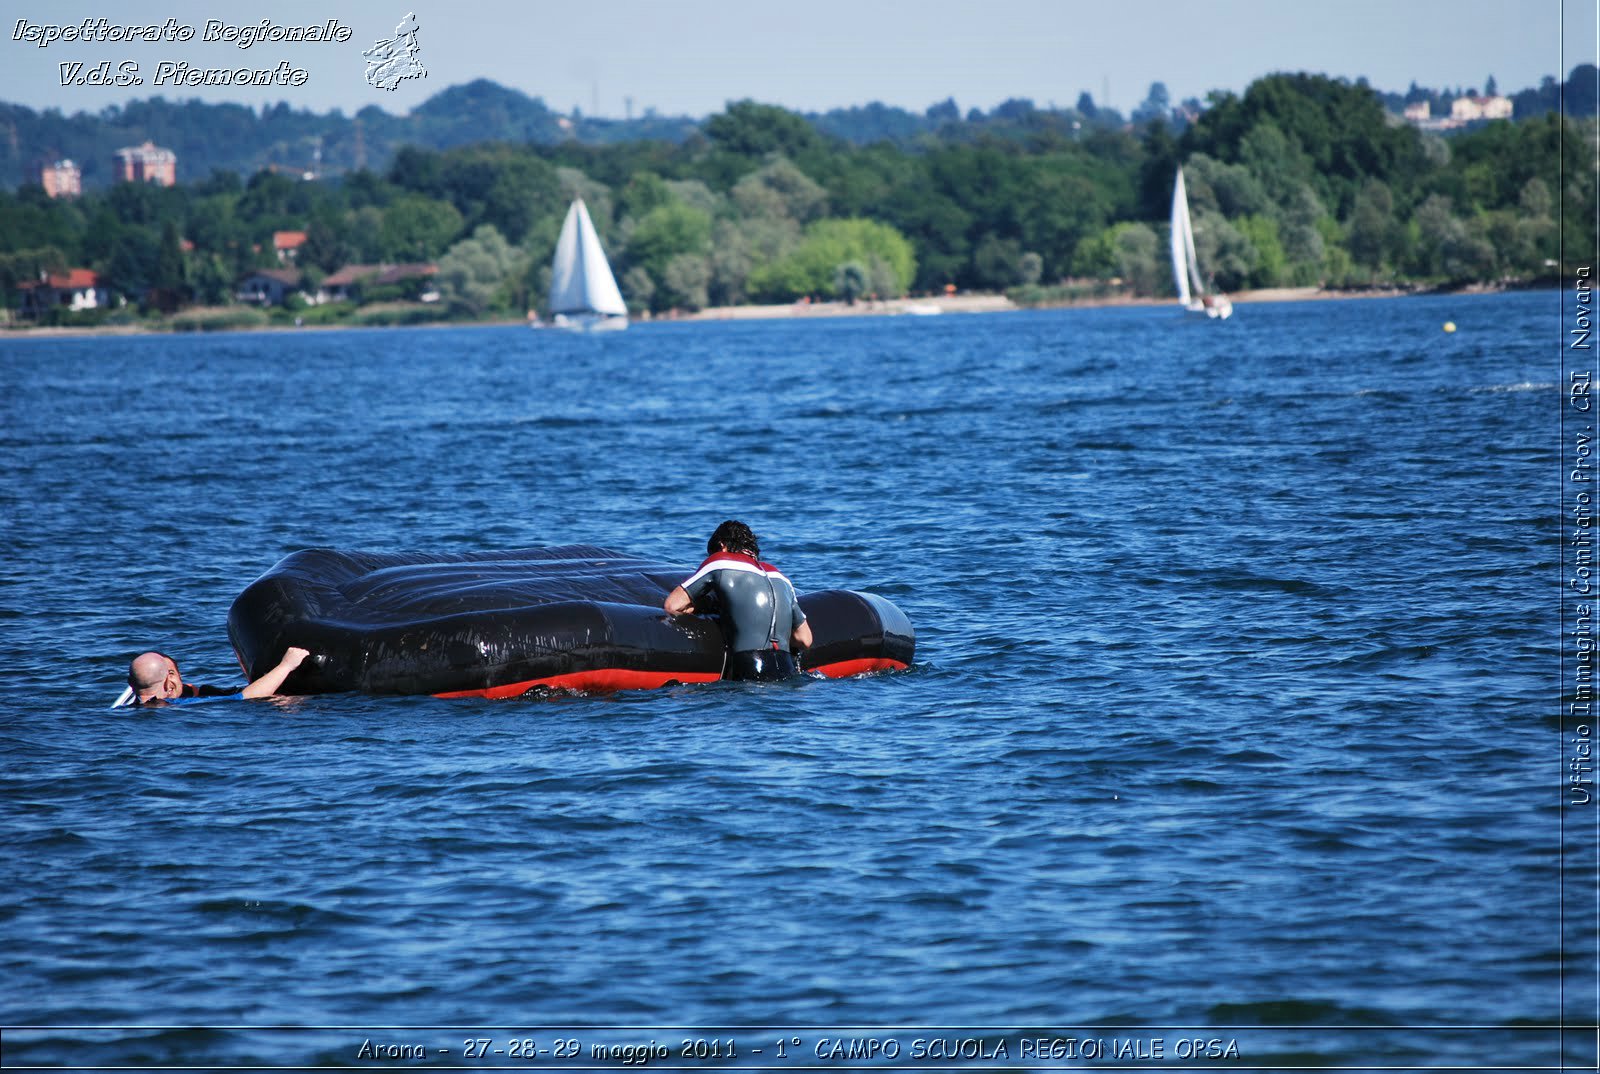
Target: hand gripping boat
point(498, 624)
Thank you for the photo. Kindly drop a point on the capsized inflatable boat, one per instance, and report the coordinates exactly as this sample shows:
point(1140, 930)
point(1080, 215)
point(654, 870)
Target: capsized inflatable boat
point(497, 624)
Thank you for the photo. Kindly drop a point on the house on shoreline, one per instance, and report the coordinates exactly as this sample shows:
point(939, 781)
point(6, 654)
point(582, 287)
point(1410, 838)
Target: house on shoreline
point(353, 282)
point(74, 290)
point(269, 287)
point(286, 244)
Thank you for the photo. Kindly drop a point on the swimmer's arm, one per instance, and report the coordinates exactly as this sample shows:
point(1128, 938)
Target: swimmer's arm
point(678, 602)
point(800, 632)
point(268, 684)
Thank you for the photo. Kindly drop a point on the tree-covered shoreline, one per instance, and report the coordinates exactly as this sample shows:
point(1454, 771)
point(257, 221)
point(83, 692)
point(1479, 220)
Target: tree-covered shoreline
point(1302, 180)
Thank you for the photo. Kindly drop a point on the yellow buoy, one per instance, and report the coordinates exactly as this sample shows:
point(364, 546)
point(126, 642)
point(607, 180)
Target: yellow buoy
point(1449, 326)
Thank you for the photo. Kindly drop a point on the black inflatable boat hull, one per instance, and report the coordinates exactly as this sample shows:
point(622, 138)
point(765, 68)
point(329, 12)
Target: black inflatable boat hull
point(498, 624)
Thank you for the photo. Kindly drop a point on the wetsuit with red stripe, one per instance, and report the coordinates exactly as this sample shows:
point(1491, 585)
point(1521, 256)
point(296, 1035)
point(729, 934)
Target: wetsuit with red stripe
point(759, 613)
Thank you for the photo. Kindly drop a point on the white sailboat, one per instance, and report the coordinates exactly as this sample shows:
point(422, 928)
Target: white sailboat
point(583, 293)
point(1192, 294)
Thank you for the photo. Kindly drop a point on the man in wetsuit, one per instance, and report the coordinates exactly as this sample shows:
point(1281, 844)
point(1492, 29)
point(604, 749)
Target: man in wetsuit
point(761, 616)
point(154, 680)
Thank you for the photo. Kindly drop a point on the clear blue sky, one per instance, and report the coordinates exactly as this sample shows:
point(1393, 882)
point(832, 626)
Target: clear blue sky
point(692, 56)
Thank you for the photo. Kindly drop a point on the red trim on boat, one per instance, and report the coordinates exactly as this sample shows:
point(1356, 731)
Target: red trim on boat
point(845, 668)
point(601, 680)
point(605, 680)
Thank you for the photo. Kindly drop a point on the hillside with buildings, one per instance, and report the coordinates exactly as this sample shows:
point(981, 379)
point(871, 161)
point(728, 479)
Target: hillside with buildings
point(1300, 181)
point(69, 153)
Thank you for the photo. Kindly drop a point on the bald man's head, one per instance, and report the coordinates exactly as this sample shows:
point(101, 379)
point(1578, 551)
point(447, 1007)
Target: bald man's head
point(147, 670)
point(150, 674)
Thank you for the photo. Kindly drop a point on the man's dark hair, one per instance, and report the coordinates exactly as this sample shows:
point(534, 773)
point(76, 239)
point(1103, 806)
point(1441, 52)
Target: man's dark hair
point(736, 537)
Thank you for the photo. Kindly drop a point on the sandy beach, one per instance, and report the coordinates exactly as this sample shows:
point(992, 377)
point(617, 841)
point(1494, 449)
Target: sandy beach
point(999, 303)
point(931, 305)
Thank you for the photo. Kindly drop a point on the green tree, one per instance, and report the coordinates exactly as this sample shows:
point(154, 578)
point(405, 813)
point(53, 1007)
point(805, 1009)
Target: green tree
point(638, 289)
point(997, 262)
point(683, 282)
point(937, 227)
point(779, 189)
point(168, 272)
point(1374, 237)
point(417, 228)
point(29, 220)
point(1156, 105)
point(1230, 189)
point(1225, 254)
point(696, 195)
point(503, 186)
point(325, 247)
point(850, 281)
point(1270, 261)
point(1445, 247)
point(1536, 230)
point(738, 246)
point(362, 241)
point(666, 232)
point(131, 265)
point(474, 273)
point(645, 192)
point(524, 190)
point(211, 279)
point(1342, 130)
point(1063, 201)
point(748, 129)
point(811, 268)
point(273, 201)
point(1157, 170)
point(1304, 250)
point(1096, 256)
point(1139, 257)
point(1280, 167)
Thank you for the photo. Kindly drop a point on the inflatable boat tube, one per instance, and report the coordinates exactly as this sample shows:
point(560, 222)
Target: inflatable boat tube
point(498, 624)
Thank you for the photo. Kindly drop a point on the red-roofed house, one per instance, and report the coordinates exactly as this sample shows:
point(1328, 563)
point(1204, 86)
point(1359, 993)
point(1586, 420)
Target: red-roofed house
point(287, 244)
point(75, 289)
point(347, 284)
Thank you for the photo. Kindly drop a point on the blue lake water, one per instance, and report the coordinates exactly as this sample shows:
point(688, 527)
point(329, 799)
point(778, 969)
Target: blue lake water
point(1235, 701)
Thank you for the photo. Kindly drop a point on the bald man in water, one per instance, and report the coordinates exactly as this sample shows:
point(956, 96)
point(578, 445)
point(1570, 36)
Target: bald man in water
point(155, 679)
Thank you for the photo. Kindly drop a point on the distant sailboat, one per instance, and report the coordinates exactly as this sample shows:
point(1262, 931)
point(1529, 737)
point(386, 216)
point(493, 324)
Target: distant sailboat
point(583, 293)
point(1192, 294)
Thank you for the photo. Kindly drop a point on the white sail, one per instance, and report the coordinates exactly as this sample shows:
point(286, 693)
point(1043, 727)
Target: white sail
point(581, 284)
point(1186, 266)
point(1182, 240)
